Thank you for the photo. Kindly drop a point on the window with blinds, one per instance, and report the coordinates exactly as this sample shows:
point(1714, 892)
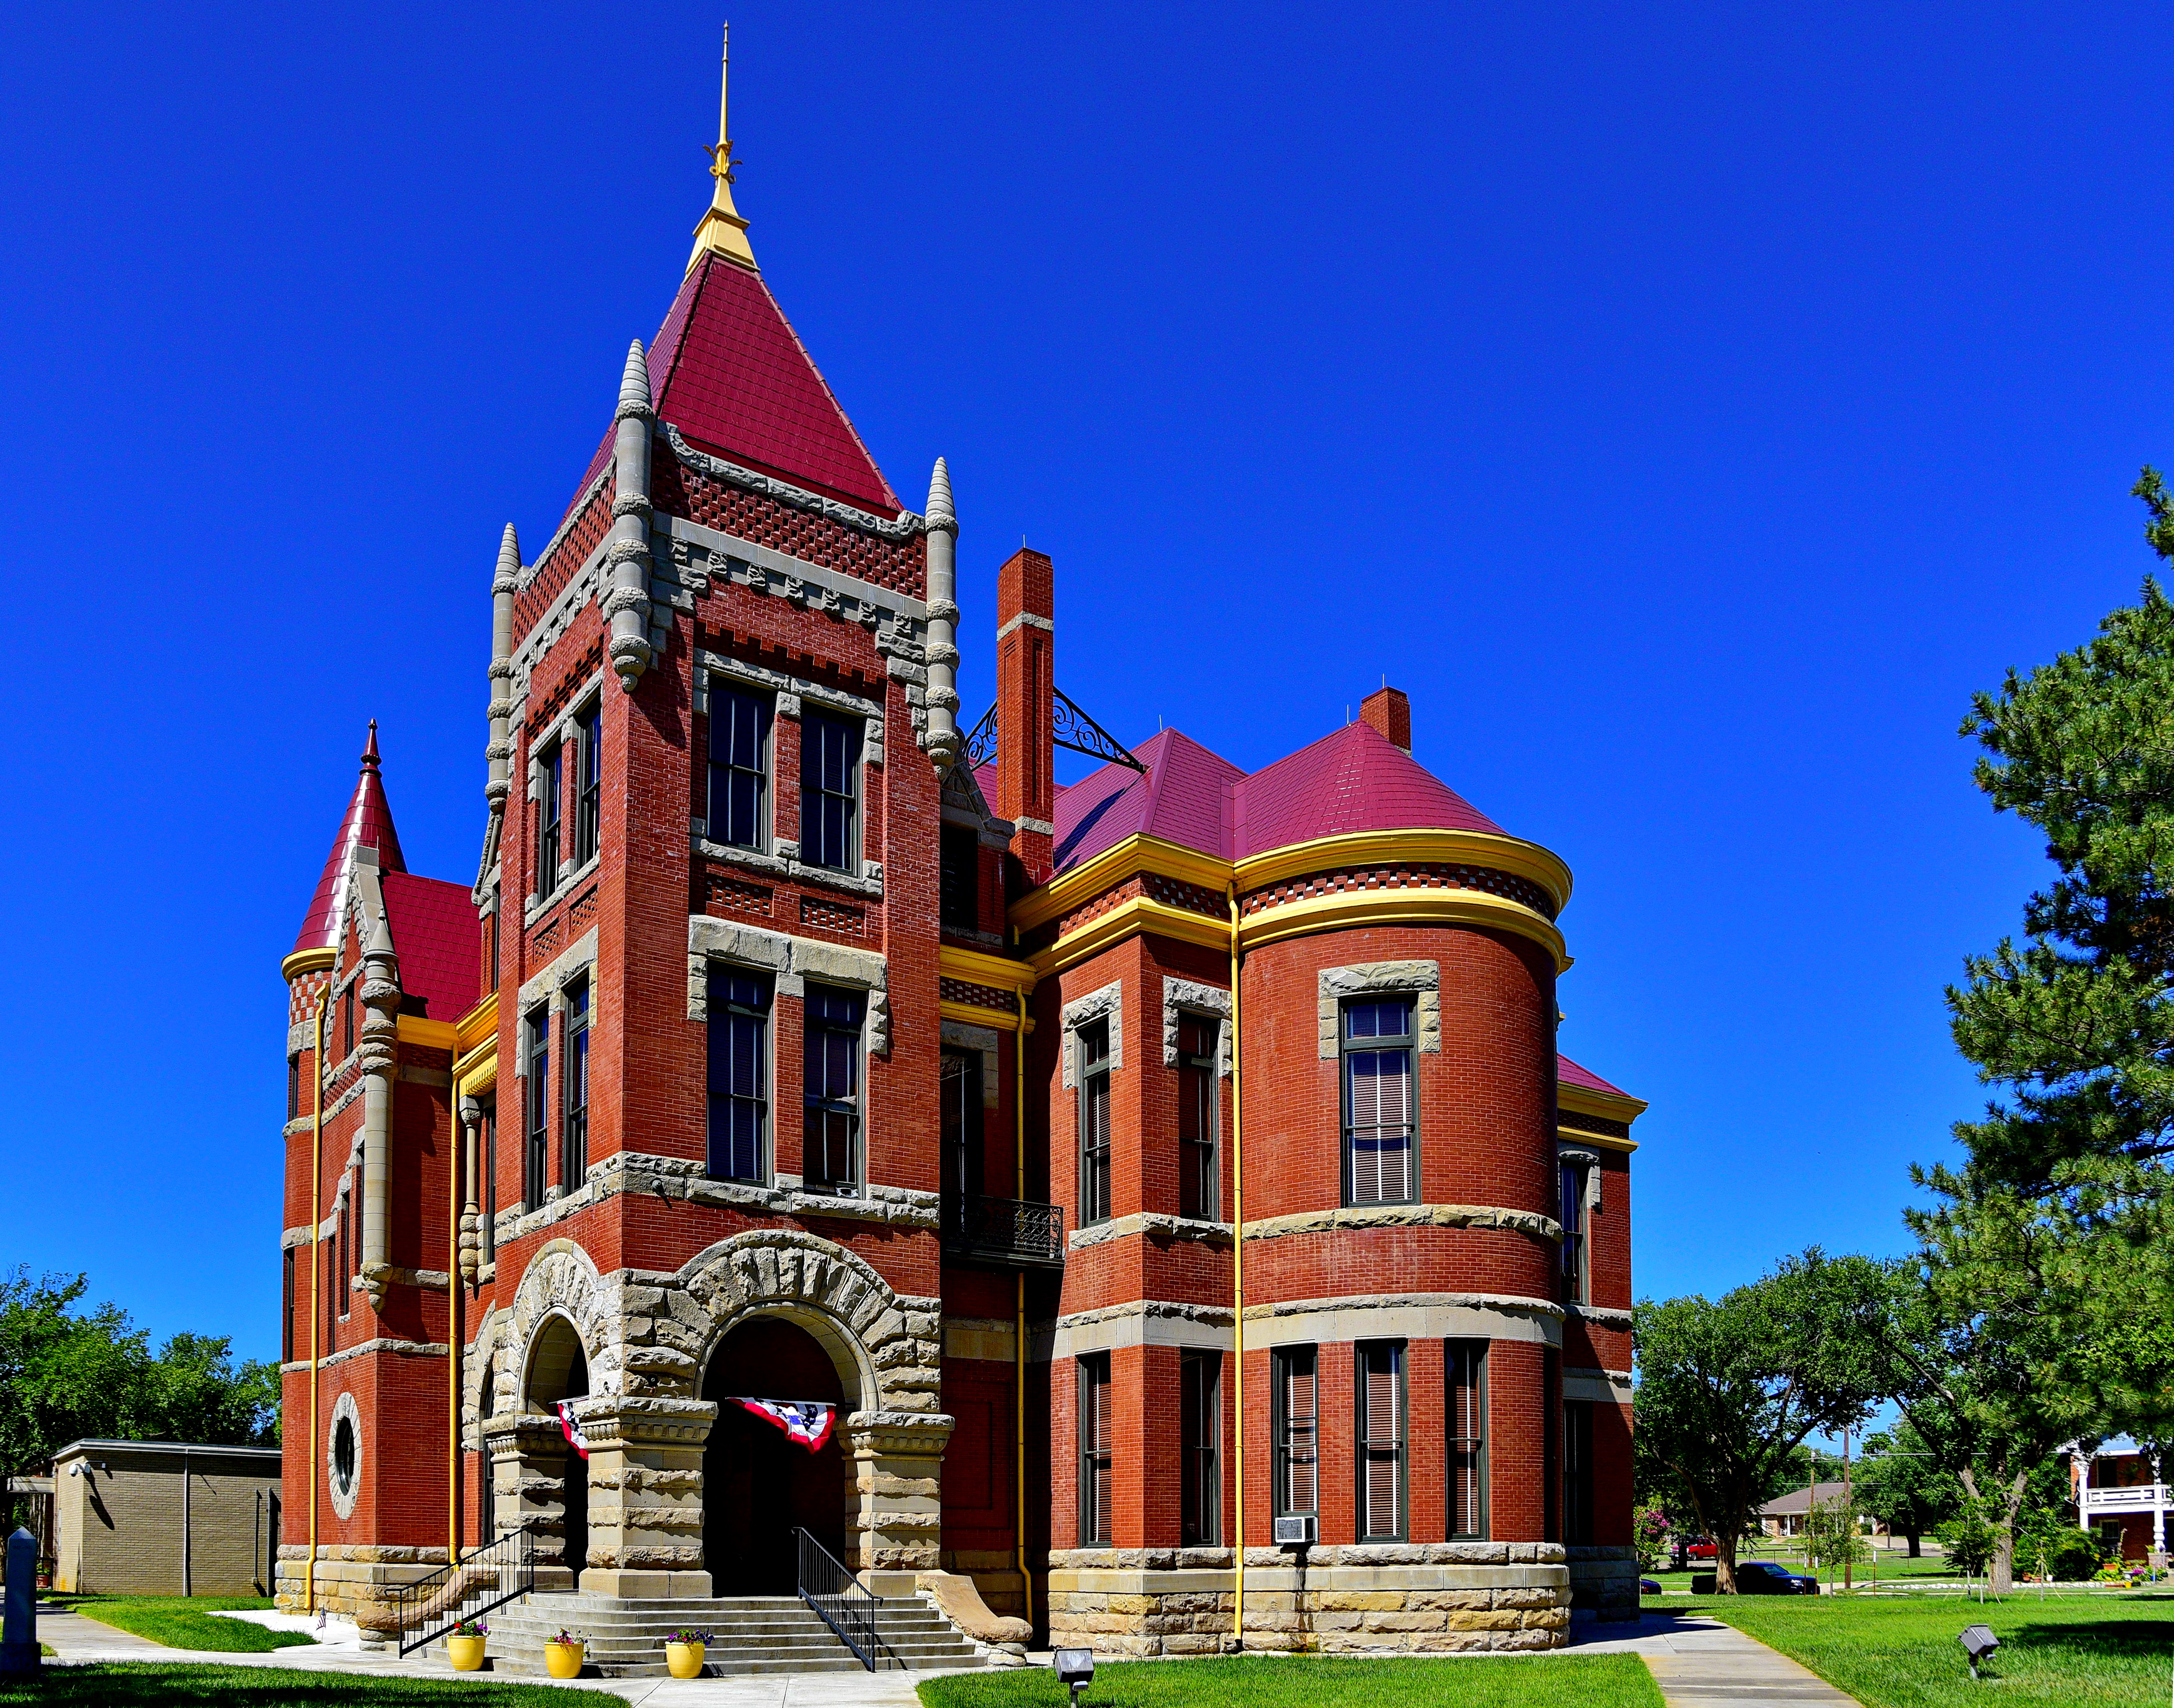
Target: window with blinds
point(1379, 1117)
point(588, 781)
point(536, 1114)
point(830, 1161)
point(1297, 1468)
point(739, 767)
point(739, 1076)
point(1093, 1044)
point(1466, 1362)
point(1381, 1433)
point(1200, 1436)
point(829, 792)
point(1571, 1213)
point(574, 1083)
point(1197, 1122)
point(548, 806)
point(1095, 1450)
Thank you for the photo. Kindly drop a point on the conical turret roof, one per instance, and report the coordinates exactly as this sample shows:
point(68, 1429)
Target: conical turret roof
point(368, 823)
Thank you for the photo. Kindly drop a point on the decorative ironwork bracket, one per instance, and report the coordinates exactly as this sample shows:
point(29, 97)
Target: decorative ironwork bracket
point(1071, 728)
point(981, 741)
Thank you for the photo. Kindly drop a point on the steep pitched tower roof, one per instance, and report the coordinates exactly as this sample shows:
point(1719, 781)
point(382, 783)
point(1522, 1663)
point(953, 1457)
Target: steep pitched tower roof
point(729, 372)
point(368, 823)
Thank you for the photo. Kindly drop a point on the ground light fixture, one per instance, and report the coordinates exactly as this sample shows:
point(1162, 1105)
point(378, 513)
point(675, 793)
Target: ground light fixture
point(1075, 1668)
point(1978, 1642)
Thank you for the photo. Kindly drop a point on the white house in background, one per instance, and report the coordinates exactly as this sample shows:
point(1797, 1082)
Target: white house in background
point(2118, 1487)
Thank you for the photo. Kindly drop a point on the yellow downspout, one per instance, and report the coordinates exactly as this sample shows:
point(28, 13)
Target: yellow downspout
point(317, 1281)
point(1018, 1327)
point(1238, 1273)
point(454, 1137)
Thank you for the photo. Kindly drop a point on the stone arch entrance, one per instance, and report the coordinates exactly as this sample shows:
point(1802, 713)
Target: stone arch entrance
point(759, 1485)
point(559, 1370)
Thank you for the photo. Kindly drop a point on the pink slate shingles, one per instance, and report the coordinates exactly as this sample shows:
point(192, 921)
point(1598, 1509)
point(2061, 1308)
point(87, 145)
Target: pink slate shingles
point(439, 940)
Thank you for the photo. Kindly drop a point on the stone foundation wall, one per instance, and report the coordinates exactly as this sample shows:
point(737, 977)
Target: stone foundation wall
point(1436, 1598)
point(349, 1580)
point(1604, 1580)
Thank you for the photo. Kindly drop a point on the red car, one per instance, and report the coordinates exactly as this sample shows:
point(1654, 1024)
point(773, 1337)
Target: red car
point(1701, 1548)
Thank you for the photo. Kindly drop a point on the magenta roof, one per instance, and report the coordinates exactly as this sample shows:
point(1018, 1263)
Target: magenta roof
point(1568, 1073)
point(729, 371)
point(439, 940)
point(1354, 779)
point(368, 824)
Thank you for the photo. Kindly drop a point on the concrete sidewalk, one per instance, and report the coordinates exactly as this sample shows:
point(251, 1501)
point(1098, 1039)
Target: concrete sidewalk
point(1701, 1662)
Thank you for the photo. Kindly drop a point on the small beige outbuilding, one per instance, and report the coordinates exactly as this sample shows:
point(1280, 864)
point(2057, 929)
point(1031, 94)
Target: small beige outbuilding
point(164, 1518)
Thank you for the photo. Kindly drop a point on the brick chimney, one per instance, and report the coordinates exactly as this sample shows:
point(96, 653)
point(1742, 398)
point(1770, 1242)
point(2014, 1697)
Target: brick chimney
point(1026, 647)
point(1390, 712)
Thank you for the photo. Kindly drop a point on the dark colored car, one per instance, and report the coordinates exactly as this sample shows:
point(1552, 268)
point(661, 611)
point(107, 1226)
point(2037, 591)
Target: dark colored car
point(1764, 1577)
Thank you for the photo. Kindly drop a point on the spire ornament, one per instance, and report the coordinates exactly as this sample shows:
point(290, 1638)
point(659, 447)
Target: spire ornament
point(721, 231)
point(942, 738)
point(504, 583)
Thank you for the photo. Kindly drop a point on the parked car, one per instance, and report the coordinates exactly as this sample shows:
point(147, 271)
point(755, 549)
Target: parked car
point(1765, 1577)
point(1647, 1585)
point(1701, 1548)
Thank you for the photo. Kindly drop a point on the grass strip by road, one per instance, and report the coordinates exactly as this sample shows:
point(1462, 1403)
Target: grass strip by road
point(184, 1622)
point(1241, 1681)
point(153, 1684)
point(2061, 1651)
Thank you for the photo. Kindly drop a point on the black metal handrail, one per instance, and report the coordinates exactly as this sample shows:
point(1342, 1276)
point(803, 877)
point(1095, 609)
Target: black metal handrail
point(484, 1579)
point(841, 1601)
point(1004, 1231)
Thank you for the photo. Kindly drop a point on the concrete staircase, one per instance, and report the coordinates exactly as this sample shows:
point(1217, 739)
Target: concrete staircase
point(747, 1635)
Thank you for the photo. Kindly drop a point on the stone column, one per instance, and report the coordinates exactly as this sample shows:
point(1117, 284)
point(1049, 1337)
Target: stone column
point(646, 1494)
point(527, 1453)
point(894, 1528)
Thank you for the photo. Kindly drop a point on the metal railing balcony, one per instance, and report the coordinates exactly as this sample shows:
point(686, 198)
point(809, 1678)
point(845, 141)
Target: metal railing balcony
point(1011, 1232)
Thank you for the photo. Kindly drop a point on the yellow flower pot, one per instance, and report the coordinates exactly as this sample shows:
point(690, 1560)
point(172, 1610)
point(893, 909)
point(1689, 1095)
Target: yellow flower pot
point(563, 1660)
point(684, 1660)
point(466, 1653)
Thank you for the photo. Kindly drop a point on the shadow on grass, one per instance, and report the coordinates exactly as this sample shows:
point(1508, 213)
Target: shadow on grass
point(2117, 1638)
point(135, 1684)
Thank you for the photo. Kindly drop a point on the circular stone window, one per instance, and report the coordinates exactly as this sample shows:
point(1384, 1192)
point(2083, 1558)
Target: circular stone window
point(344, 1454)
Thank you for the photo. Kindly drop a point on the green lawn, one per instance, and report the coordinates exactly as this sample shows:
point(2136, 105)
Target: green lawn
point(2065, 1651)
point(140, 1684)
point(1591, 1681)
point(182, 1622)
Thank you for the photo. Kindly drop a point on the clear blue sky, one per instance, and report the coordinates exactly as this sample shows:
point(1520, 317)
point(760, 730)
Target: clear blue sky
point(1688, 406)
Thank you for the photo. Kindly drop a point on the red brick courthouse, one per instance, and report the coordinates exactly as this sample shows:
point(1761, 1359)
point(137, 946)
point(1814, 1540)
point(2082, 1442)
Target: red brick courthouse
point(1180, 1156)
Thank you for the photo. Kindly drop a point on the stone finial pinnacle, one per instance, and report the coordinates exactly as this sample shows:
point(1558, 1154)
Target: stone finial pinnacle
point(940, 512)
point(509, 553)
point(721, 231)
point(634, 386)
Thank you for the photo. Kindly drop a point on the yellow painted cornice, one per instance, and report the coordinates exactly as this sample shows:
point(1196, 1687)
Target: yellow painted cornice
point(478, 1023)
point(1112, 866)
point(1613, 1105)
point(307, 960)
point(996, 1019)
point(1510, 854)
point(428, 1034)
point(976, 967)
point(1134, 917)
point(1351, 910)
point(1596, 1141)
point(477, 1071)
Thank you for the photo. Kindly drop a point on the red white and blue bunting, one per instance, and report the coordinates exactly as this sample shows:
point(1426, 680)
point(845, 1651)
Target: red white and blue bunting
point(573, 1430)
point(806, 1421)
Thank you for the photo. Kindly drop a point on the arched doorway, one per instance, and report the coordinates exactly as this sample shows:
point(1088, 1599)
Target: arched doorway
point(559, 1370)
point(758, 1484)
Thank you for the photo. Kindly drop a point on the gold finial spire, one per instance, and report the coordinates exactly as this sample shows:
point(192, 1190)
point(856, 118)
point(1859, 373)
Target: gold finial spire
point(722, 231)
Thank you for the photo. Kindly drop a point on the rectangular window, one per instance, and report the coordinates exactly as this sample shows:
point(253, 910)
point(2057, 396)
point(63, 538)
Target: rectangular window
point(287, 1306)
point(739, 1076)
point(1577, 1473)
point(958, 1088)
point(1466, 1365)
point(346, 1022)
point(1095, 1466)
point(490, 1166)
point(1197, 1122)
point(1297, 1429)
point(588, 783)
point(830, 1161)
point(829, 790)
point(1377, 1100)
point(346, 1254)
point(293, 1086)
point(1381, 1420)
point(332, 1290)
point(537, 1117)
point(1092, 1041)
point(958, 878)
point(1200, 1438)
point(739, 767)
point(1575, 1279)
point(574, 1080)
point(493, 925)
point(546, 822)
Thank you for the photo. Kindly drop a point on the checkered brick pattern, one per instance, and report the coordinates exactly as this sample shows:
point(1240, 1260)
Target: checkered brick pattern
point(1419, 876)
point(815, 539)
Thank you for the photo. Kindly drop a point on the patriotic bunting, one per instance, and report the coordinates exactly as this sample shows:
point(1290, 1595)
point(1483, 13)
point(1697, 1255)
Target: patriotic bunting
point(806, 1421)
point(573, 1430)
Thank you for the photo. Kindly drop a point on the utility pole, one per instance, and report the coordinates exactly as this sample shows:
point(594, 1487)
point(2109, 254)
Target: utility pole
point(1848, 1512)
